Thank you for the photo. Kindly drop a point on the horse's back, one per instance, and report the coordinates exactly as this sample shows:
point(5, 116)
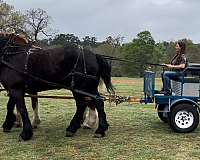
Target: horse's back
point(45, 63)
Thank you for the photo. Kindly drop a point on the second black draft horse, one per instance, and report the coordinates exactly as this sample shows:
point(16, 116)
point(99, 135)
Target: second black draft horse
point(26, 69)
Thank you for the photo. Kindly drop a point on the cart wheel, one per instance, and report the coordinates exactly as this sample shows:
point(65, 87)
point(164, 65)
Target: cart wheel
point(184, 118)
point(162, 115)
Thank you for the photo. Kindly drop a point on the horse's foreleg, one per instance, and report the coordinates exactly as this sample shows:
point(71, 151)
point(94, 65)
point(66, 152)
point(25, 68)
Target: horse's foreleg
point(10, 117)
point(103, 124)
point(36, 119)
point(78, 117)
point(18, 96)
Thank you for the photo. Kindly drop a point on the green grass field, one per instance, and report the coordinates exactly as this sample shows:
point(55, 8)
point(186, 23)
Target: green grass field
point(135, 133)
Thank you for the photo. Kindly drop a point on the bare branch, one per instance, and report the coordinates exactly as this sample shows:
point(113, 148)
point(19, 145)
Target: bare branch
point(37, 22)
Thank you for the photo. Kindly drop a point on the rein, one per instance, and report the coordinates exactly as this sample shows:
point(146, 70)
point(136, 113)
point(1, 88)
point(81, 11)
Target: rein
point(116, 59)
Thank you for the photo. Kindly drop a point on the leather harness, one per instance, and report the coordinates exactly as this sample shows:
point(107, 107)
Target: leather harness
point(29, 50)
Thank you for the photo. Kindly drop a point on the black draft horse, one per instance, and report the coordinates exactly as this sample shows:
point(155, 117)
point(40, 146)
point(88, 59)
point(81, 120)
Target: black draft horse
point(26, 69)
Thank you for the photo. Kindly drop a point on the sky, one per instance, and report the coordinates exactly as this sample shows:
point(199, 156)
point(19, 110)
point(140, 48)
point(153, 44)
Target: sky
point(167, 20)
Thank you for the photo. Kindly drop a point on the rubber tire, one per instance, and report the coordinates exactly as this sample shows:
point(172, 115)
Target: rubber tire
point(162, 115)
point(183, 107)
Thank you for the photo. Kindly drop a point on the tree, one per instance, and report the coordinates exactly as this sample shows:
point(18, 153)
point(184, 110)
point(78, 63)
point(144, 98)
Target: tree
point(116, 41)
point(159, 53)
point(37, 21)
point(62, 39)
point(140, 52)
point(10, 20)
point(111, 47)
point(192, 52)
point(89, 41)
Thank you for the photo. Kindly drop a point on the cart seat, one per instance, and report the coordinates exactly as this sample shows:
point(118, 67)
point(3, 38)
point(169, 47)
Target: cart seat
point(189, 85)
point(192, 69)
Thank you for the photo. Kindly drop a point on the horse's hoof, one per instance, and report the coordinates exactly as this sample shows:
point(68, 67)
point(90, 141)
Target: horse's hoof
point(98, 135)
point(69, 134)
point(6, 130)
point(7, 126)
point(21, 139)
point(24, 136)
point(35, 124)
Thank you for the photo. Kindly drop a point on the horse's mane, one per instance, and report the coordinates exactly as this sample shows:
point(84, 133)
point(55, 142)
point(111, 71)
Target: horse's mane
point(16, 38)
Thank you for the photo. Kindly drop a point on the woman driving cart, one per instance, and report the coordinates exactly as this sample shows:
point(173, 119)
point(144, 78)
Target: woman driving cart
point(177, 64)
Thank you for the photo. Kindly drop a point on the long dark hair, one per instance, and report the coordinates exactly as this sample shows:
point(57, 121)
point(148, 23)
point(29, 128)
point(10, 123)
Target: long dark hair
point(177, 58)
point(182, 46)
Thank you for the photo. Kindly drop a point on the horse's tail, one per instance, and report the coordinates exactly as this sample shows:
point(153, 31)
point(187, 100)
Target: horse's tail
point(105, 73)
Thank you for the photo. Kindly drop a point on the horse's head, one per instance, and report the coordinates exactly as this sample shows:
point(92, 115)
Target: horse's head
point(11, 42)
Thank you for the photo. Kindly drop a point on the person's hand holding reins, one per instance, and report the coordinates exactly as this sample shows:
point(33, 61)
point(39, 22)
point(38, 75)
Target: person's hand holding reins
point(169, 66)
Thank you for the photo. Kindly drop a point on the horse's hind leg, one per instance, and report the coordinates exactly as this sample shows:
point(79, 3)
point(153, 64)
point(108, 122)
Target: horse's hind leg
point(103, 124)
point(78, 117)
point(10, 117)
point(36, 119)
point(18, 96)
point(18, 122)
point(90, 120)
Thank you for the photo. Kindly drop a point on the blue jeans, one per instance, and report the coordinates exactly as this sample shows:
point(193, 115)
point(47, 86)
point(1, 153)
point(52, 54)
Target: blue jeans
point(170, 75)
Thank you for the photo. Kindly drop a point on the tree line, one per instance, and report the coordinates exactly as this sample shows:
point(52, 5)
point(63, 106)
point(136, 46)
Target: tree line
point(143, 49)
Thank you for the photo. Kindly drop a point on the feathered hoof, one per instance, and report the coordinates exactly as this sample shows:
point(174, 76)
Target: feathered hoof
point(25, 136)
point(35, 123)
point(69, 134)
